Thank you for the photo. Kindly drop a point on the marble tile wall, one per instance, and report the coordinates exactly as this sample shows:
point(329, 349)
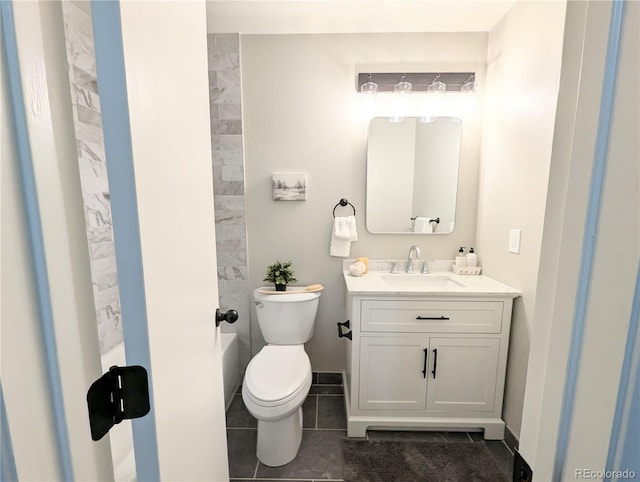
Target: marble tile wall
point(228, 184)
point(93, 172)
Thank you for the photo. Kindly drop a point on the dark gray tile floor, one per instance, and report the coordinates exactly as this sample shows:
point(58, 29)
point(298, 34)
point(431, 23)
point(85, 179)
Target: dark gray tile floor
point(324, 426)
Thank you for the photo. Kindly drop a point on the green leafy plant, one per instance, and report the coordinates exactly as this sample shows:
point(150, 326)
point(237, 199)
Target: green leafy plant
point(280, 273)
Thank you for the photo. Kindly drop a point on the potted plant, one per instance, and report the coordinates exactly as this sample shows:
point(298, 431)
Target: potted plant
point(280, 274)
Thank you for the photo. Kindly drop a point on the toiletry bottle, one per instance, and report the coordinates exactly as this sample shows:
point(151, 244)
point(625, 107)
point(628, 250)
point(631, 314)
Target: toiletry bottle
point(461, 259)
point(472, 258)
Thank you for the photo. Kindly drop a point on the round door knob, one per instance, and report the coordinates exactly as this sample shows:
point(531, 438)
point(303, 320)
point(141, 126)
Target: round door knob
point(231, 316)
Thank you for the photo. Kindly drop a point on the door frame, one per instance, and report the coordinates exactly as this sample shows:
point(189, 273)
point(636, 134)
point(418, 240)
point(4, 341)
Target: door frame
point(183, 338)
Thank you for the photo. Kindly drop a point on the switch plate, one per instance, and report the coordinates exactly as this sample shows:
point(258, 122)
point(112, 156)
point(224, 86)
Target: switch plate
point(514, 240)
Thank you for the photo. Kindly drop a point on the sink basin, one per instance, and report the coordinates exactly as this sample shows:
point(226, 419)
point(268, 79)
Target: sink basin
point(420, 281)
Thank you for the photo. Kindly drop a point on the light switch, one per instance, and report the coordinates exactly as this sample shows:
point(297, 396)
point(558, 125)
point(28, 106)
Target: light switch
point(514, 240)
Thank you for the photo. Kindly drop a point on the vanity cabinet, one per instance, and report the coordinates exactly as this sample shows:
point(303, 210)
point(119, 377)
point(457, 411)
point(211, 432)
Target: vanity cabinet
point(427, 363)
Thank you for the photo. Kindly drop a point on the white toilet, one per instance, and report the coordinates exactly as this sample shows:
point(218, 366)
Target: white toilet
point(278, 378)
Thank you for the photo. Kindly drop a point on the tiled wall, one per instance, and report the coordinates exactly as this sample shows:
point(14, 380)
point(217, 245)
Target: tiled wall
point(93, 172)
point(228, 184)
point(228, 176)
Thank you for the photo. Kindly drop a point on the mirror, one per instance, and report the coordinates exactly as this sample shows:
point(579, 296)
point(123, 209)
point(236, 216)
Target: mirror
point(412, 174)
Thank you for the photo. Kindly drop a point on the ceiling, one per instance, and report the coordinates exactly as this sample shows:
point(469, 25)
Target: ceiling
point(353, 16)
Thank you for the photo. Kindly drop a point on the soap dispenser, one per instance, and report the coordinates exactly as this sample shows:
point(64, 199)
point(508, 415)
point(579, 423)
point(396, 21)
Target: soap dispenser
point(472, 258)
point(461, 259)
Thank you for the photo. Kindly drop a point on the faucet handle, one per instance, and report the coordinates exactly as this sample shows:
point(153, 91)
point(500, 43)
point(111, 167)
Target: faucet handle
point(394, 267)
point(425, 267)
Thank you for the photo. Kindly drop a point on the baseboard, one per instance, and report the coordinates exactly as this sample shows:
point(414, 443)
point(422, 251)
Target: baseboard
point(327, 378)
point(511, 440)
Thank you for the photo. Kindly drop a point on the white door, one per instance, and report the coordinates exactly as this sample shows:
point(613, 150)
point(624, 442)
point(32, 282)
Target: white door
point(165, 242)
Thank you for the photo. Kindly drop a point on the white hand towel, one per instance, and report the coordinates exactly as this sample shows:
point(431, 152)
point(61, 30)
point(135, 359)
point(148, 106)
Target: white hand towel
point(345, 228)
point(342, 234)
point(422, 225)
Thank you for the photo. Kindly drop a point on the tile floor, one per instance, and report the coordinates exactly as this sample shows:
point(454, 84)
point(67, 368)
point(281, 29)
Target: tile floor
point(324, 426)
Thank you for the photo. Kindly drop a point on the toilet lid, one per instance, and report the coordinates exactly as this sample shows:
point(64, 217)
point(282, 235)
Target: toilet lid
point(277, 372)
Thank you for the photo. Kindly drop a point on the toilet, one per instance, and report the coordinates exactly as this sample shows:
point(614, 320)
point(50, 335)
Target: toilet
point(278, 378)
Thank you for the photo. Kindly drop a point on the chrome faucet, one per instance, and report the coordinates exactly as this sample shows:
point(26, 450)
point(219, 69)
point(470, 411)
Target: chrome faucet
point(412, 250)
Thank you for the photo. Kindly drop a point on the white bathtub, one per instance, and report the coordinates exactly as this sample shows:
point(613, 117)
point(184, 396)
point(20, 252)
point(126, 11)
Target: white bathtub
point(230, 366)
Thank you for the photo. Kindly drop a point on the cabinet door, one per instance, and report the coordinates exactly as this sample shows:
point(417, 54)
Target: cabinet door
point(462, 374)
point(391, 373)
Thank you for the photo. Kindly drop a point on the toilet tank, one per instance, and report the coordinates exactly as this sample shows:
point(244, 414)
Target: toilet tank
point(286, 319)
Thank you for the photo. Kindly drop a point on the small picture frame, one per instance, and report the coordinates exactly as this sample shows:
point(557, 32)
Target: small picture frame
point(289, 186)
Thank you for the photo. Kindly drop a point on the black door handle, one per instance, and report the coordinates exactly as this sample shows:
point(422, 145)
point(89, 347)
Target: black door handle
point(431, 317)
point(435, 361)
point(424, 368)
point(230, 316)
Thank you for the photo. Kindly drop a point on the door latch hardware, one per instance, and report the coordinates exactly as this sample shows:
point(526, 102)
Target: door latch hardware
point(230, 316)
point(341, 334)
point(121, 393)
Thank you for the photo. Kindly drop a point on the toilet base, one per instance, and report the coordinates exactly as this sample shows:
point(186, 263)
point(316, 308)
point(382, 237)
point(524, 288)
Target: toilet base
point(279, 441)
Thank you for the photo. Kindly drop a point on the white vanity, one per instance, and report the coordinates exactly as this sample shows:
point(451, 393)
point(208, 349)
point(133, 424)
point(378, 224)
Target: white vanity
point(427, 351)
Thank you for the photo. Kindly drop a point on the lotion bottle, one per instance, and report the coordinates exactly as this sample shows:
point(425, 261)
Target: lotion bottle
point(461, 259)
point(472, 258)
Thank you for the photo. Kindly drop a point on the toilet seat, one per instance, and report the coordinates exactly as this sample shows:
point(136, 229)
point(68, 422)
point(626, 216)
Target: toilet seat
point(277, 375)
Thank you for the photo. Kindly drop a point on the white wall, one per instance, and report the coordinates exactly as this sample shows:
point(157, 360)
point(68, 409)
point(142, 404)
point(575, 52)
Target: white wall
point(523, 70)
point(301, 112)
point(617, 248)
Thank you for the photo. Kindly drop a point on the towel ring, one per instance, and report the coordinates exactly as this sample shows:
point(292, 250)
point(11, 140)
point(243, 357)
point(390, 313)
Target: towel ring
point(343, 202)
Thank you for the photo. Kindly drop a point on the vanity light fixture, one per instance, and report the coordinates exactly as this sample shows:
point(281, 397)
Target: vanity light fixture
point(402, 90)
point(369, 87)
point(437, 87)
point(403, 87)
point(435, 90)
point(414, 82)
point(469, 86)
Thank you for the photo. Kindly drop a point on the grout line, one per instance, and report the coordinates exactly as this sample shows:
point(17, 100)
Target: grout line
point(469, 436)
point(324, 429)
point(317, 410)
point(255, 472)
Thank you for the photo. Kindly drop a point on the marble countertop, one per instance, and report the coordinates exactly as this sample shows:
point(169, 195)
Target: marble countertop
point(381, 282)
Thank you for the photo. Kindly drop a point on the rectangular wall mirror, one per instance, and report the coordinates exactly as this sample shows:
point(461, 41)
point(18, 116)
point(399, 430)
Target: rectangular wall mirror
point(412, 174)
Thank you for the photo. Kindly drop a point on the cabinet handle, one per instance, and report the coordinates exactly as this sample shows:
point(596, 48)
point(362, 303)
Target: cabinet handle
point(424, 368)
point(435, 361)
point(431, 317)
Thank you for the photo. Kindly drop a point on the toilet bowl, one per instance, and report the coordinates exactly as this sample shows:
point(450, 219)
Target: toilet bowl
point(278, 378)
point(276, 385)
